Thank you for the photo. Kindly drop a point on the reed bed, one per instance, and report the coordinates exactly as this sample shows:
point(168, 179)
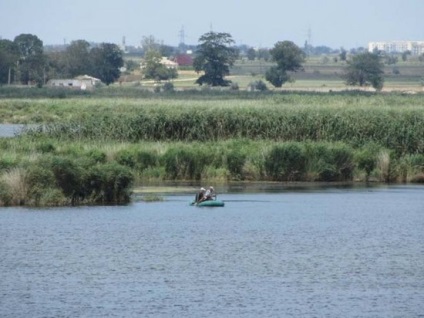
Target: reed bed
point(91, 149)
point(399, 128)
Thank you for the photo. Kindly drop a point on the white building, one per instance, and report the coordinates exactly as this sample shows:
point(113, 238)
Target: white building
point(415, 47)
point(82, 82)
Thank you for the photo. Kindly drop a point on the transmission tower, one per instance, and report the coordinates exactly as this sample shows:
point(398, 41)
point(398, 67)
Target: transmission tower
point(182, 35)
point(309, 34)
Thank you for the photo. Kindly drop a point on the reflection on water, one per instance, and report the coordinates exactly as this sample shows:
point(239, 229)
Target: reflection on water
point(325, 252)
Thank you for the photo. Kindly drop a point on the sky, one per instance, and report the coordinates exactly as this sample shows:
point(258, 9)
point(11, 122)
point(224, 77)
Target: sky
point(333, 23)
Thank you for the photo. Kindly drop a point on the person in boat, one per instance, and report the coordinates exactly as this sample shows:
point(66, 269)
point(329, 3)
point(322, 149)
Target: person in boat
point(209, 195)
point(200, 195)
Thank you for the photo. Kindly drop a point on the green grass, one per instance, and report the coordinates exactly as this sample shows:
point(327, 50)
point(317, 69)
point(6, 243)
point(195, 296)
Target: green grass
point(94, 146)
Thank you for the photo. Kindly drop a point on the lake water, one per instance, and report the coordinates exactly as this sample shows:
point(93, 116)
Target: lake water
point(323, 252)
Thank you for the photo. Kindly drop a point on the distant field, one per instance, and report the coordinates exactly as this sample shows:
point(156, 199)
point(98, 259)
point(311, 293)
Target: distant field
point(318, 75)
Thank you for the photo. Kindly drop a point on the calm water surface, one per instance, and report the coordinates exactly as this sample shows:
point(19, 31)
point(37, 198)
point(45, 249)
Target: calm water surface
point(317, 253)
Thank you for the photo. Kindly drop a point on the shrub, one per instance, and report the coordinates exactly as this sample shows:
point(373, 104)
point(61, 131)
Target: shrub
point(145, 160)
point(168, 87)
point(5, 194)
point(8, 162)
point(385, 166)
point(46, 147)
point(329, 162)
point(234, 86)
point(126, 158)
point(14, 188)
point(235, 162)
point(39, 180)
point(68, 176)
point(258, 86)
point(179, 164)
point(97, 156)
point(411, 167)
point(286, 162)
point(182, 163)
point(366, 160)
point(109, 184)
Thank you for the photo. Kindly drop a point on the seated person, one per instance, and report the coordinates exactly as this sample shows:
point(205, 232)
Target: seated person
point(210, 193)
point(200, 195)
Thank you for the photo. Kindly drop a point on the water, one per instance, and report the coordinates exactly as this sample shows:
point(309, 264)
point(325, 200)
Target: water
point(11, 130)
point(319, 253)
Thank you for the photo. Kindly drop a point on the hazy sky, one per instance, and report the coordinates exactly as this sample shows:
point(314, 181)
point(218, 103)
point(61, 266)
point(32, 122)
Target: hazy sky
point(259, 23)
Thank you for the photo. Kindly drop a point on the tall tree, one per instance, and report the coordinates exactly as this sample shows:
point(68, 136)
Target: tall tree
point(9, 56)
point(365, 69)
point(251, 54)
point(77, 58)
point(149, 43)
point(31, 58)
point(106, 61)
point(289, 58)
point(214, 57)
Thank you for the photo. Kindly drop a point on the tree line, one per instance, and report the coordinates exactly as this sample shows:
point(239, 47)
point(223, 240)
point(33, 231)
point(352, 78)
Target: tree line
point(23, 60)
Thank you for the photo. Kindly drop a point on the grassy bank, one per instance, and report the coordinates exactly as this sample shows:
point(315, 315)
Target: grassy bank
point(90, 148)
point(50, 172)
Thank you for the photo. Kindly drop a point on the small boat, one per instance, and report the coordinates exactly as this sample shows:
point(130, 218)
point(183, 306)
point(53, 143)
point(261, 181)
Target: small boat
point(208, 203)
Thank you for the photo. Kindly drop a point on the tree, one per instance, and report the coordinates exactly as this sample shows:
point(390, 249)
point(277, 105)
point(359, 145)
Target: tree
point(251, 54)
point(405, 55)
point(343, 54)
point(154, 69)
point(9, 55)
point(32, 61)
point(277, 76)
point(263, 54)
point(77, 58)
point(149, 43)
point(106, 61)
point(214, 57)
point(289, 58)
point(365, 69)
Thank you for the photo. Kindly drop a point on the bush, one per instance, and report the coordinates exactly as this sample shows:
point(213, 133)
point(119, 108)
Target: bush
point(179, 164)
point(182, 163)
point(109, 184)
point(126, 158)
point(97, 156)
point(68, 176)
point(366, 159)
point(234, 86)
point(145, 160)
point(286, 162)
point(235, 163)
point(46, 147)
point(168, 87)
point(8, 162)
point(329, 162)
point(258, 86)
point(5, 194)
point(39, 179)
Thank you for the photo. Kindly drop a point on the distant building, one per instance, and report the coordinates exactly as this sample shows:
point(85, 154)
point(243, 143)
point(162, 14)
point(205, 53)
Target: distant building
point(82, 82)
point(168, 63)
point(415, 47)
point(164, 61)
point(184, 60)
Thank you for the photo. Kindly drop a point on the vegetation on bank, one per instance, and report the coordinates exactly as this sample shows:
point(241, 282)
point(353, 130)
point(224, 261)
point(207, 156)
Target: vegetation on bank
point(51, 172)
point(91, 150)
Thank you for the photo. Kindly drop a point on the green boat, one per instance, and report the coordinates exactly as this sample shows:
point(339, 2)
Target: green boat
point(208, 203)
